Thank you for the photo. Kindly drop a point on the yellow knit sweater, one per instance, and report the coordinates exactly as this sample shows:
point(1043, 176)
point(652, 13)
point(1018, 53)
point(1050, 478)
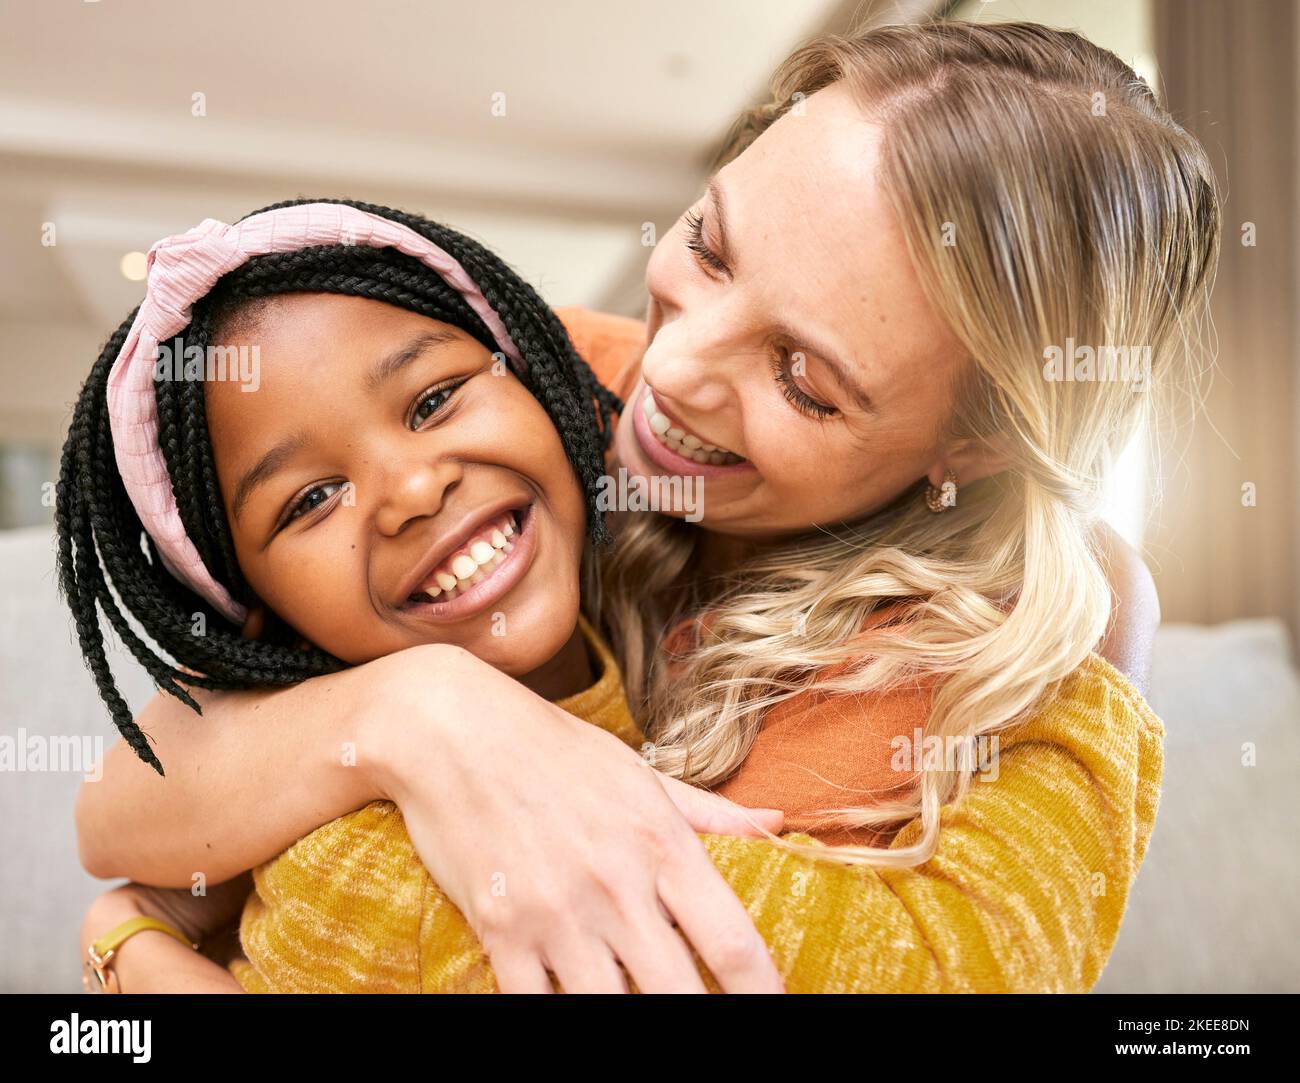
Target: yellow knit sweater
point(1025, 893)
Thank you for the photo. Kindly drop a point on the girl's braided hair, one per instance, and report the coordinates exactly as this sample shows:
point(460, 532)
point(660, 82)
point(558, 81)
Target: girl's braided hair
point(106, 559)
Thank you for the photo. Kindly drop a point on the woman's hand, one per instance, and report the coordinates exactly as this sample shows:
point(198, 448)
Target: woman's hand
point(565, 851)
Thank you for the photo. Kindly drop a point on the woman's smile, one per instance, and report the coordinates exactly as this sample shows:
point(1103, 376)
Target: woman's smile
point(674, 448)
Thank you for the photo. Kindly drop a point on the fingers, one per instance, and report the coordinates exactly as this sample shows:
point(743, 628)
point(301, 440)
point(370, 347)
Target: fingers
point(656, 956)
point(709, 814)
point(584, 965)
point(714, 920)
point(521, 972)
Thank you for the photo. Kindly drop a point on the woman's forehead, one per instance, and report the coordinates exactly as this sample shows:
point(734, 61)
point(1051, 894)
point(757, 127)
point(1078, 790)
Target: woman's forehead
point(817, 243)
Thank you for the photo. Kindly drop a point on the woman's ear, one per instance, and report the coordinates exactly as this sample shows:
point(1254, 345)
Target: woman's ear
point(971, 460)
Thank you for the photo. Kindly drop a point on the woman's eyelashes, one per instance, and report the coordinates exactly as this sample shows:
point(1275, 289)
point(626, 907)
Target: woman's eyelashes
point(794, 394)
point(704, 255)
point(710, 262)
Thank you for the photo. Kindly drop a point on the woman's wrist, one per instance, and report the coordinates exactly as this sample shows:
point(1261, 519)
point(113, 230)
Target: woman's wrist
point(107, 912)
point(402, 709)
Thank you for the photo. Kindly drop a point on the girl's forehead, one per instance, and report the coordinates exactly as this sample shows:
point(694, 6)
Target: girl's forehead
point(313, 352)
point(320, 317)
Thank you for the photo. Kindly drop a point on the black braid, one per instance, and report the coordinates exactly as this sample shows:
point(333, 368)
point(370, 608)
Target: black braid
point(106, 562)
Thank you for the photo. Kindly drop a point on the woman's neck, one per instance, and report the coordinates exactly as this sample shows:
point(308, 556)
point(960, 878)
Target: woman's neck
point(717, 554)
point(569, 671)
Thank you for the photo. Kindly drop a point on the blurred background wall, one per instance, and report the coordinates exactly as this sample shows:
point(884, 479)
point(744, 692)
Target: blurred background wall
point(552, 132)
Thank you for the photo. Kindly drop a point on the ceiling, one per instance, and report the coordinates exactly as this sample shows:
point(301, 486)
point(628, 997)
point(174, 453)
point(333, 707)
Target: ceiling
point(551, 131)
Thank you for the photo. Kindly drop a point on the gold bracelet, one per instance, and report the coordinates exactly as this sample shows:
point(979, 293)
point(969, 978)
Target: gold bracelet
point(100, 954)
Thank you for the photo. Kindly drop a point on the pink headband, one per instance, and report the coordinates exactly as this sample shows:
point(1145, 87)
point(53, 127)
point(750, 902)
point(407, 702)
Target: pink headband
point(183, 269)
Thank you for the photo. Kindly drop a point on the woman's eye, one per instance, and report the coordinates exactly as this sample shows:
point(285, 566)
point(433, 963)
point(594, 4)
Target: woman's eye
point(312, 499)
point(430, 402)
point(704, 255)
point(794, 394)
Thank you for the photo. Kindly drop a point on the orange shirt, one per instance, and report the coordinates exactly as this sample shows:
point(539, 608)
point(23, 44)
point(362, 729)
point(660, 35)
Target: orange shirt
point(815, 751)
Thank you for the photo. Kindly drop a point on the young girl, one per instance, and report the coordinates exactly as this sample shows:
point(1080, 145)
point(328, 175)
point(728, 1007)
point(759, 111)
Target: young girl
point(393, 471)
point(325, 515)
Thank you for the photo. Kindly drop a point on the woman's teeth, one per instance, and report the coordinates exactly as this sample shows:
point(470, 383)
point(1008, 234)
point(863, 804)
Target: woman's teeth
point(686, 444)
point(472, 563)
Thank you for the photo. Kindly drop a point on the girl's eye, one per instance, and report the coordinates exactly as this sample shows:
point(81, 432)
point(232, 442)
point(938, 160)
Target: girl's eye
point(431, 401)
point(312, 499)
point(704, 255)
point(794, 394)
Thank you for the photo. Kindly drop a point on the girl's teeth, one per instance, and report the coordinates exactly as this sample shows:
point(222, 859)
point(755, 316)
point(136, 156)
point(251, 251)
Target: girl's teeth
point(463, 566)
point(686, 444)
point(471, 567)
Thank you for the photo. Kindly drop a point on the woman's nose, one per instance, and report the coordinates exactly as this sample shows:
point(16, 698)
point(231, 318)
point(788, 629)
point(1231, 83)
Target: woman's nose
point(689, 360)
point(412, 488)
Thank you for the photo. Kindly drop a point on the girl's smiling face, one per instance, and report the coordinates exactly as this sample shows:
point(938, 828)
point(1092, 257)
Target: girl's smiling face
point(378, 456)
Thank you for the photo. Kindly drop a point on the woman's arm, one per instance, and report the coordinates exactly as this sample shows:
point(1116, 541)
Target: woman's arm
point(1024, 892)
point(283, 754)
point(585, 826)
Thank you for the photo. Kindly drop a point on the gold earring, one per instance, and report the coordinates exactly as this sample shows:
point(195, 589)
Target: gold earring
point(938, 500)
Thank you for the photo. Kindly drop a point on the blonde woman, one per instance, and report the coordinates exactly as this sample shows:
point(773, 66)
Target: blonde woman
point(860, 318)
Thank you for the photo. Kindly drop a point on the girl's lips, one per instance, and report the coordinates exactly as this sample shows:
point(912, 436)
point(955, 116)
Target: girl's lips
point(502, 580)
point(664, 457)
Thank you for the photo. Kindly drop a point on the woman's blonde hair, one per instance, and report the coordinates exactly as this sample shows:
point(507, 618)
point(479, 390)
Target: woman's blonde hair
point(1047, 201)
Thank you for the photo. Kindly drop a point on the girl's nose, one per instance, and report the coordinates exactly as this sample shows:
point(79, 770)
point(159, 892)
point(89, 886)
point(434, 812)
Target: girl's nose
point(411, 489)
